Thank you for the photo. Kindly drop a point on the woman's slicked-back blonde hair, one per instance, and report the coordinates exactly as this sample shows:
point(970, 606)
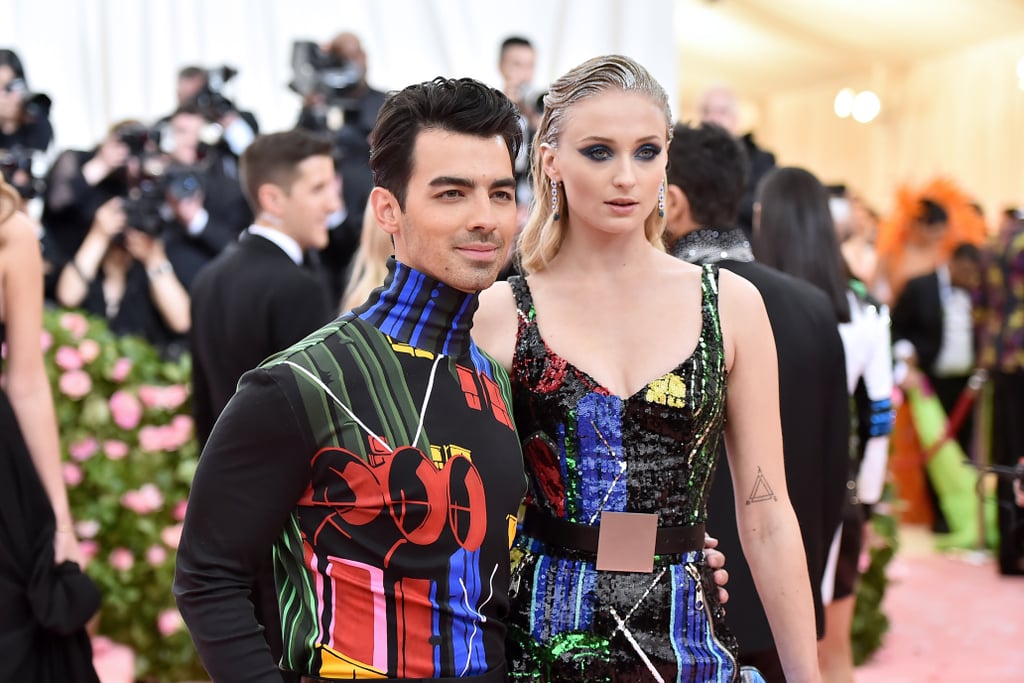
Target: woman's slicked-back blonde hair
point(542, 236)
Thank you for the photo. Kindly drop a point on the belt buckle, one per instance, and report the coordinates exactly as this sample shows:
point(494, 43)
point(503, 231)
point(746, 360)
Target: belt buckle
point(625, 542)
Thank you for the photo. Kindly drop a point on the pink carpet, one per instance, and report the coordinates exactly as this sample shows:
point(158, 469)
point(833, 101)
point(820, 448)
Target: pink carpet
point(953, 619)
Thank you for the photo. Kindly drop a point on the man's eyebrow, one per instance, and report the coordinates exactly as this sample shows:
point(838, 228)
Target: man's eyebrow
point(452, 180)
point(446, 181)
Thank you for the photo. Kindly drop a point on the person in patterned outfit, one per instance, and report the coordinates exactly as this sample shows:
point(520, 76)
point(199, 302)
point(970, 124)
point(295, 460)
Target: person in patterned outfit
point(620, 357)
point(378, 456)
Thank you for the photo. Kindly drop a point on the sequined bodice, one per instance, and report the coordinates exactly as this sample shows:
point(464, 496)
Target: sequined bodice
point(589, 451)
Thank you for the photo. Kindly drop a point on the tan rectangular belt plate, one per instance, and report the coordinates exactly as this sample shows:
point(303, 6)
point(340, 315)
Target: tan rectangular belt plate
point(626, 542)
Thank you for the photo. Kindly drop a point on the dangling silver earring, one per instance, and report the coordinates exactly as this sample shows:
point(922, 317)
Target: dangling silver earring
point(661, 200)
point(554, 201)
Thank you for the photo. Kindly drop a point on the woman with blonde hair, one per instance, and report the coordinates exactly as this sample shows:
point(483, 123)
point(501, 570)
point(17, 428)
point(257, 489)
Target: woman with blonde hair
point(369, 264)
point(46, 598)
point(620, 358)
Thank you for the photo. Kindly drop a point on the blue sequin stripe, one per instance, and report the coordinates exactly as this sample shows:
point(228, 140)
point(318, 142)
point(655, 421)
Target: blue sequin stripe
point(698, 661)
point(603, 478)
point(881, 417)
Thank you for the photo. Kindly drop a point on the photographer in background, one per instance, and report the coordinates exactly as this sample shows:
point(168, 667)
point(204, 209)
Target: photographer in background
point(24, 115)
point(78, 183)
point(338, 102)
point(204, 89)
point(206, 215)
point(123, 274)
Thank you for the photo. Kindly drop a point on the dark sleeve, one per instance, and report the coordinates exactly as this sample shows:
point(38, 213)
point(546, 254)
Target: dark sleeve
point(250, 476)
point(904, 313)
point(202, 409)
point(300, 306)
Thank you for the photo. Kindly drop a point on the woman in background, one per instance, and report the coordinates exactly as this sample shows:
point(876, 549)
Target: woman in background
point(794, 232)
point(46, 599)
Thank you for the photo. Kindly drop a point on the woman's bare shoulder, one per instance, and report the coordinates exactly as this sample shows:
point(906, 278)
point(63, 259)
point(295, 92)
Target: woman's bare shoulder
point(494, 324)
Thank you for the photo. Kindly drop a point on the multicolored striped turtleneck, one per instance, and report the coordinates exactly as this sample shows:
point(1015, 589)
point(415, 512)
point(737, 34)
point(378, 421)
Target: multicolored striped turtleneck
point(385, 444)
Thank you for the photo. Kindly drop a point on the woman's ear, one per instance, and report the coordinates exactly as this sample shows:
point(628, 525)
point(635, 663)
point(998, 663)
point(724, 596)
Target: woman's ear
point(549, 162)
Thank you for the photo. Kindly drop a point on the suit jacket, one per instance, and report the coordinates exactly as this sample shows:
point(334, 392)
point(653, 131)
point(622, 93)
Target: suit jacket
point(917, 317)
point(815, 412)
point(247, 304)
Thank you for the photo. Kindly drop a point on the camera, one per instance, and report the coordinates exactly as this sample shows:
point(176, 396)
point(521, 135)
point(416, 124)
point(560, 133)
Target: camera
point(36, 105)
point(139, 139)
point(315, 71)
point(210, 100)
point(146, 199)
point(16, 165)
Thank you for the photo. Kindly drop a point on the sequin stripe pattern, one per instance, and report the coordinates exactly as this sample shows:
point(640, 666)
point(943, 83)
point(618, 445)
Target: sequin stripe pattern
point(588, 450)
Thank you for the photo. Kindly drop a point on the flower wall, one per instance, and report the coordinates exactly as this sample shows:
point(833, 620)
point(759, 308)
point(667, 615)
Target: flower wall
point(129, 456)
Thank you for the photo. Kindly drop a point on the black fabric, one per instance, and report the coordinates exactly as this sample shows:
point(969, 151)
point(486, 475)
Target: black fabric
point(555, 531)
point(1007, 449)
point(247, 305)
point(44, 607)
point(814, 407)
point(917, 317)
point(761, 162)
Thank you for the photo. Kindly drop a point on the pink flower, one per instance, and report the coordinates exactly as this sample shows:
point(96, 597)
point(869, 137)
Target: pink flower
point(114, 449)
point(72, 474)
point(75, 384)
point(171, 536)
point(169, 622)
point(149, 395)
point(143, 500)
point(89, 350)
point(151, 439)
point(174, 396)
point(183, 424)
point(87, 528)
point(75, 323)
point(121, 559)
point(179, 510)
point(122, 367)
point(45, 340)
point(125, 409)
point(88, 550)
point(84, 449)
point(175, 436)
point(156, 555)
point(3, 349)
point(67, 358)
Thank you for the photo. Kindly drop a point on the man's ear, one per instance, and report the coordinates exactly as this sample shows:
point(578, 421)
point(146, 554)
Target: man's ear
point(677, 210)
point(385, 209)
point(271, 199)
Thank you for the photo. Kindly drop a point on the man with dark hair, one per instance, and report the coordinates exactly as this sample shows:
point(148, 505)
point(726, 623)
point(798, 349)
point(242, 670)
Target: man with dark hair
point(257, 298)
point(377, 456)
point(706, 183)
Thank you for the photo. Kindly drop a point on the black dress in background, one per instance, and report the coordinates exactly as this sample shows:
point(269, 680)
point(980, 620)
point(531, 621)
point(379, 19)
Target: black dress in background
point(43, 607)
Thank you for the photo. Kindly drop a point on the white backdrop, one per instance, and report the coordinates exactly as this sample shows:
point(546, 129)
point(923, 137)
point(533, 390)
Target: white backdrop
point(105, 60)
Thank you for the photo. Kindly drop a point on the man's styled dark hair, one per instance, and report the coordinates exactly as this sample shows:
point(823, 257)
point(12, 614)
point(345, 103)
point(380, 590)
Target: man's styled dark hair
point(457, 105)
point(931, 213)
point(513, 41)
point(967, 252)
point(796, 233)
point(273, 158)
point(710, 166)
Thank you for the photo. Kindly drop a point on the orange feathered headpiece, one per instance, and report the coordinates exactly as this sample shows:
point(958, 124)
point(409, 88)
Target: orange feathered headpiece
point(965, 223)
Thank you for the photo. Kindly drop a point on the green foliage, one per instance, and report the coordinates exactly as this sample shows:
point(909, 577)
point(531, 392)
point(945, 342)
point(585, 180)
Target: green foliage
point(129, 453)
point(870, 623)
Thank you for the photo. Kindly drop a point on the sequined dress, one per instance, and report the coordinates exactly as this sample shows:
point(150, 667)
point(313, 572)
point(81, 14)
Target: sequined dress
point(588, 450)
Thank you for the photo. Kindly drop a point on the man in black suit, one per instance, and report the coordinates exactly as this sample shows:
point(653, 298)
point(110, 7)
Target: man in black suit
point(706, 176)
point(257, 298)
point(261, 294)
point(932, 326)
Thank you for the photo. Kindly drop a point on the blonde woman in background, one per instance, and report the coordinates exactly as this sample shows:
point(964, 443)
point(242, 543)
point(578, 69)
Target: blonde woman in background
point(369, 264)
point(46, 600)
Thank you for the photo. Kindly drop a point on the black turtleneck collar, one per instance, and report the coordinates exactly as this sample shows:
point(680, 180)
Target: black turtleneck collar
point(711, 245)
point(417, 309)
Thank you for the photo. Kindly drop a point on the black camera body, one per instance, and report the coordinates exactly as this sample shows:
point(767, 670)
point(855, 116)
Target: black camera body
point(315, 71)
point(144, 204)
point(210, 100)
point(16, 166)
point(36, 105)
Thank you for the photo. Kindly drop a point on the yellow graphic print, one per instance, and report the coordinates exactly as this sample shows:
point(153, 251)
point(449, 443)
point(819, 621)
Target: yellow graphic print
point(409, 350)
point(511, 529)
point(442, 454)
point(669, 390)
point(333, 664)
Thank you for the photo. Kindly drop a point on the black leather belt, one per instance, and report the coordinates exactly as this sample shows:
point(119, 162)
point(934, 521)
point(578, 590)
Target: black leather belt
point(495, 675)
point(561, 533)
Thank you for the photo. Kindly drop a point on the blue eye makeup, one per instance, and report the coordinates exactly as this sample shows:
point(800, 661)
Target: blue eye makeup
point(597, 152)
